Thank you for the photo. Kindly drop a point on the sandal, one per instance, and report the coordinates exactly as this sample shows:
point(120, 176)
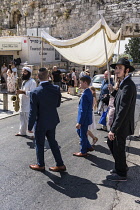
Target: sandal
point(18, 134)
point(95, 139)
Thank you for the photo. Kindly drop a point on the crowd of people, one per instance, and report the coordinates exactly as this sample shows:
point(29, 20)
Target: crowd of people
point(116, 105)
point(63, 80)
point(66, 80)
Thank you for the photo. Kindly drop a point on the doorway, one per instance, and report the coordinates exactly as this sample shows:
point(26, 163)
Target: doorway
point(5, 59)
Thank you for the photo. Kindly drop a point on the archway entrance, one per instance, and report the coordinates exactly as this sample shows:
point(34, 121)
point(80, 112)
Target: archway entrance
point(15, 18)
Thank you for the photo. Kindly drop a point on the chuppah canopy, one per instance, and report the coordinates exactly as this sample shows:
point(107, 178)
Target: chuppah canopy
point(89, 48)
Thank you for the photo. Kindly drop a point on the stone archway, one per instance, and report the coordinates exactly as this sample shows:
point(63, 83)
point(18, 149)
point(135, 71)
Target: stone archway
point(15, 18)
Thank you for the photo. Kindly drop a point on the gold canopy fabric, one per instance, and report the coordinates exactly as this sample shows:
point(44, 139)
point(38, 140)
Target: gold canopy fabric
point(89, 48)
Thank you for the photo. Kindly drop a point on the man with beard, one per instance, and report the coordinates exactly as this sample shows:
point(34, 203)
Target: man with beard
point(27, 86)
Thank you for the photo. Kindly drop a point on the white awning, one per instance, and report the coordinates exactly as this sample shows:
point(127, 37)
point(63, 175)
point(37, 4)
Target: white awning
point(89, 48)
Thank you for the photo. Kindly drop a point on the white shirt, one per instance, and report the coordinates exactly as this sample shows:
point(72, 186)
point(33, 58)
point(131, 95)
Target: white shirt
point(82, 74)
point(124, 79)
point(29, 86)
point(42, 82)
point(73, 75)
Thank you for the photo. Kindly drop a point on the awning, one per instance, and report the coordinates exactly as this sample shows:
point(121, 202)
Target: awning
point(89, 48)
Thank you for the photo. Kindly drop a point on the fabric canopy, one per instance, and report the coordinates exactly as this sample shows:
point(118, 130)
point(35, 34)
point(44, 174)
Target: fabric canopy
point(89, 48)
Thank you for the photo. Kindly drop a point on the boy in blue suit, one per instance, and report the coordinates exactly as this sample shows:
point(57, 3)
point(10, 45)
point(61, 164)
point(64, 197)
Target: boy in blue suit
point(84, 118)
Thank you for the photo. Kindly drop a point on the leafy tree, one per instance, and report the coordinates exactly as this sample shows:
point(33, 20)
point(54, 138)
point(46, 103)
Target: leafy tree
point(124, 55)
point(133, 48)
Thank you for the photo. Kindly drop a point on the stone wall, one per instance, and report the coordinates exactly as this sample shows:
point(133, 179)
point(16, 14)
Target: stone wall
point(69, 18)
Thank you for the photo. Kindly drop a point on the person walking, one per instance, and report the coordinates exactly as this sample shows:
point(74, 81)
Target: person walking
point(74, 79)
point(123, 123)
point(10, 80)
point(82, 73)
point(56, 76)
point(93, 125)
point(14, 69)
point(104, 94)
point(4, 72)
point(28, 85)
point(87, 72)
point(84, 118)
point(43, 113)
point(104, 91)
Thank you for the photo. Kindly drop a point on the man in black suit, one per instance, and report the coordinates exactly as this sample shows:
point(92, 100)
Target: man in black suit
point(44, 101)
point(123, 123)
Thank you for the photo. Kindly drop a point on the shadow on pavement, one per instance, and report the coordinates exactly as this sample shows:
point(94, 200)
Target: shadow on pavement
point(101, 149)
point(72, 186)
point(100, 162)
point(32, 144)
point(66, 99)
point(134, 138)
point(132, 186)
point(133, 150)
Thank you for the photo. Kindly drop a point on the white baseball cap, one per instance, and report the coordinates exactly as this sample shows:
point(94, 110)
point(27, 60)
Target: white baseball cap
point(27, 69)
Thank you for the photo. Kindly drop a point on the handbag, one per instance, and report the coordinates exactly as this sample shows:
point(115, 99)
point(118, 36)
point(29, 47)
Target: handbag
point(102, 120)
point(105, 100)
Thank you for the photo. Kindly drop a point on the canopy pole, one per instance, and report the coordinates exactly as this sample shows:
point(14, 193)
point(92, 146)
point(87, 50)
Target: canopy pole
point(106, 57)
point(119, 44)
point(41, 51)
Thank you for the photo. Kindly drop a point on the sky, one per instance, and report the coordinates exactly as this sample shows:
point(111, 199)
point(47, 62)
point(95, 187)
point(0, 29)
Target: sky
point(122, 46)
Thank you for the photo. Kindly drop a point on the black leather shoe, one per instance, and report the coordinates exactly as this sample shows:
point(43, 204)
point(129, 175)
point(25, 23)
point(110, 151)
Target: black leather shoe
point(113, 171)
point(116, 178)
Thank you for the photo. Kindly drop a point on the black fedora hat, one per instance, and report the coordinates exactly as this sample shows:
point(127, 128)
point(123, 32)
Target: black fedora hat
point(125, 62)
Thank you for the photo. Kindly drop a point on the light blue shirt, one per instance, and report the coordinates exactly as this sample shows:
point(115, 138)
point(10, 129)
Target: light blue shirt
point(42, 82)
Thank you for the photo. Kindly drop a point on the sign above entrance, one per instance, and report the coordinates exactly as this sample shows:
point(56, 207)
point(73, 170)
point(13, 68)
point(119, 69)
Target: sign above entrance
point(7, 46)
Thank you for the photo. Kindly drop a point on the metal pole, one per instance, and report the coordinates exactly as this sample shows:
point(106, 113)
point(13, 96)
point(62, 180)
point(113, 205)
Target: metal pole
point(41, 52)
point(5, 101)
point(119, 44)
point(106, 57)
point(17, 30)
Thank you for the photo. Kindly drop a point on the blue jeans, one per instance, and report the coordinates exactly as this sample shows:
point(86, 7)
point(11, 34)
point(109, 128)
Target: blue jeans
point(40, 140)
point(82, 132)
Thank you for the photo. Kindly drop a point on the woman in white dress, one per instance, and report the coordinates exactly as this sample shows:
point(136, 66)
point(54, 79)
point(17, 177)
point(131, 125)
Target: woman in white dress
point(93, 125)
point(10, 80)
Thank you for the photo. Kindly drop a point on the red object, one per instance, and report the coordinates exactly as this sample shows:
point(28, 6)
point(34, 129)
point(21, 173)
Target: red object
point(25, 41)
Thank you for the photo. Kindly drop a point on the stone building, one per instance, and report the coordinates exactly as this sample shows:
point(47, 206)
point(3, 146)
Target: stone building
point(68, 18)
